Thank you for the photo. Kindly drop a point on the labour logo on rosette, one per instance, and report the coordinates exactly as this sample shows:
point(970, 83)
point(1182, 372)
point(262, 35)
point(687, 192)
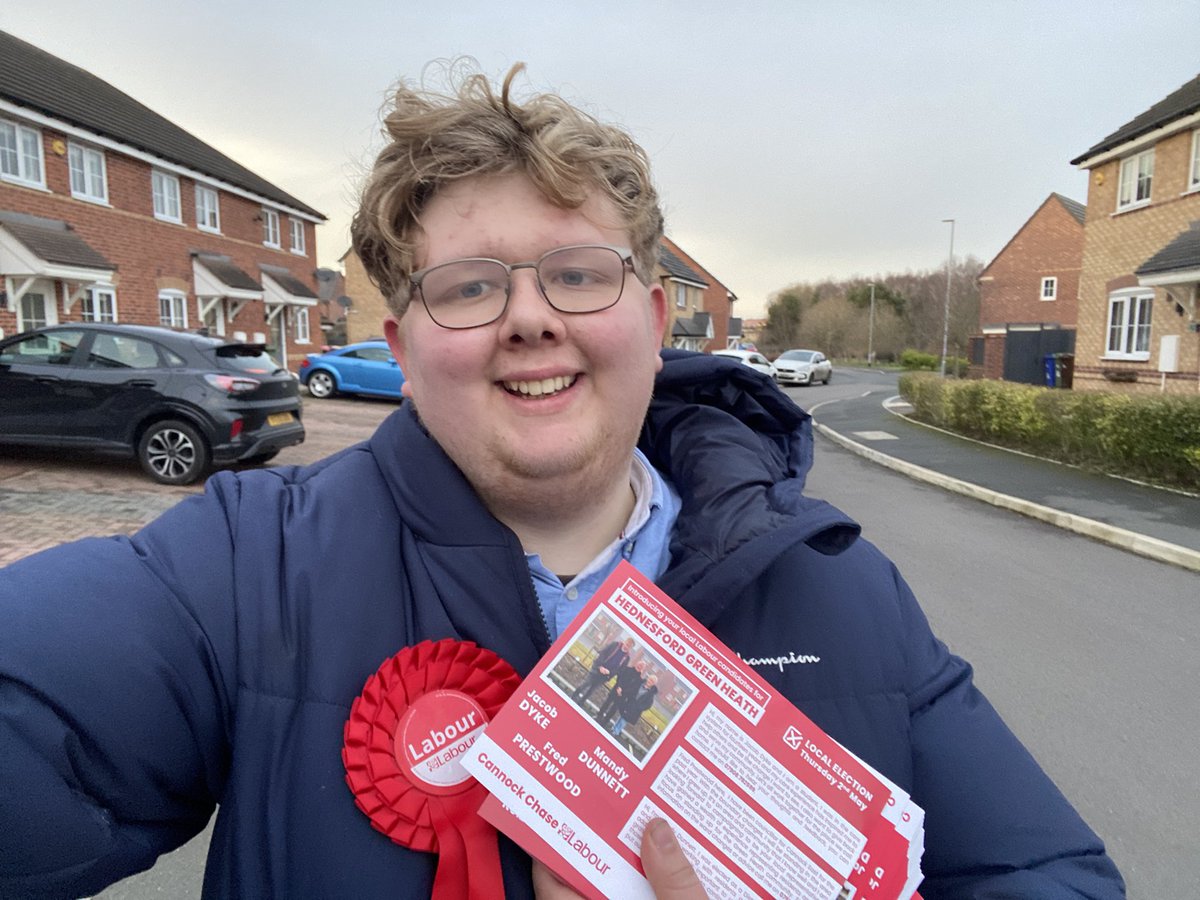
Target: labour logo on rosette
point(405, 738)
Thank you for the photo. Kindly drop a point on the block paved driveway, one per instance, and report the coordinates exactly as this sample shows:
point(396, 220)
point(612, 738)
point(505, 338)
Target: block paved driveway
point(47, 499)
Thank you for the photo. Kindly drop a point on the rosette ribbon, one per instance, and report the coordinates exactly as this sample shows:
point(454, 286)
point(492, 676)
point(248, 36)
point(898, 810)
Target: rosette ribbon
point(415, 717)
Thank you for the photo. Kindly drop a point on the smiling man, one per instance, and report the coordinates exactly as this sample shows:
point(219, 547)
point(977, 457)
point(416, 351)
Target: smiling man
point(212, 659)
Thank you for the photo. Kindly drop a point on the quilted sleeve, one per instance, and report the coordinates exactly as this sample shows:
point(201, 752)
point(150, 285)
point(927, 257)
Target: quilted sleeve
point(116, 682)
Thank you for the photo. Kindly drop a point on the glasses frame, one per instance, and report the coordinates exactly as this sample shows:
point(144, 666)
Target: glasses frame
point(626, 255)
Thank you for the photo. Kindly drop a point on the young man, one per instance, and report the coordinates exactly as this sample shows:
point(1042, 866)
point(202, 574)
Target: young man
point(213, 657)
point(630, 679)
point(608, 662)
point(634, 703)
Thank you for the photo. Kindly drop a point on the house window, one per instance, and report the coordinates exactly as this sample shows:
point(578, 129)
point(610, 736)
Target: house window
point(166, 196)
point(20, 153)
point(681, 295)
point(99, 304)
point(297, 236)
point(172, 309)
point(1049, 288)
point(1194, 181)
point(1129, 325)
point(88, 180)
point(270, 227)
point(208, 210)
point(1137, 174)
point(33, 312)
point(302, 336)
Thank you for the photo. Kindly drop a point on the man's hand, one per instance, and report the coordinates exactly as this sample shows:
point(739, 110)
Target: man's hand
point(667, 869)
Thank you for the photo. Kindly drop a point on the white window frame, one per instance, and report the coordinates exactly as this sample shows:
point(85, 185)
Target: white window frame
point(1194, 180)
point(681, 295)
point(208, 209)
point(1049, 288)
point(1136, 182)
point(303, 335)
point(270, 228)
point(42, 289)
point(164, 189)
point(24, 139)
point(297, 229)
point(88, 172)
point(1127, 328)
point(105, 311)
point(176, 313)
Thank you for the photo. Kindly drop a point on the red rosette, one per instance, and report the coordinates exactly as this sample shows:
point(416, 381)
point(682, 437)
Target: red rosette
point(417, 714)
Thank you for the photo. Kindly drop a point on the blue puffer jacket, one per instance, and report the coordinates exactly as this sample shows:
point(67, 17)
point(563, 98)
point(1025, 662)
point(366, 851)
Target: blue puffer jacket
point(212, 659)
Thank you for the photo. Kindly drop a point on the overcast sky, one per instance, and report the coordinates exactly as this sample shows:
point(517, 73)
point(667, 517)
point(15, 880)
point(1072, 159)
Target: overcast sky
point(792, 141)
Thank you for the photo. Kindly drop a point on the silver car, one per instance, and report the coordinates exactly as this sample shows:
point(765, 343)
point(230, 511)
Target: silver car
point(751, 358)
point(803, 367)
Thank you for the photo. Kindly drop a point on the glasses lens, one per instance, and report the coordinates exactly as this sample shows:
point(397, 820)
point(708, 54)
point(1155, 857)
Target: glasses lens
point(582, 279)
point(465, 293)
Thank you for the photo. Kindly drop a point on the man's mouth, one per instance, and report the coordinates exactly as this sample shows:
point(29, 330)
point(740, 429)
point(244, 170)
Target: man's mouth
point(542, 388)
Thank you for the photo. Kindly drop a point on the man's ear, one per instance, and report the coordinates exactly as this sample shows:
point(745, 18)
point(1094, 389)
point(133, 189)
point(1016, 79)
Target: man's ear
point(658, 319)
point(393, 332)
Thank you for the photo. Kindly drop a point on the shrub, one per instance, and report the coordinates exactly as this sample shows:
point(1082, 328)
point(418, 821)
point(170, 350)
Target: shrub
point(1155, 438)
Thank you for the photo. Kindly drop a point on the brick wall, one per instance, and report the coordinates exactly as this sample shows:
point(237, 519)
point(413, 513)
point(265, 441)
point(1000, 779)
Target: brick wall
point(365, 318)
point(1050, 244)
point(1115, 245)
point(150, 254)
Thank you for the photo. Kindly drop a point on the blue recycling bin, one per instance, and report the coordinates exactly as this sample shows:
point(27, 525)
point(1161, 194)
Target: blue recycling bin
point(1050, 370)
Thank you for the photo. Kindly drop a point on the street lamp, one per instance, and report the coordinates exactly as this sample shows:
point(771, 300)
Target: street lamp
point(871, 330)
point(946, 315)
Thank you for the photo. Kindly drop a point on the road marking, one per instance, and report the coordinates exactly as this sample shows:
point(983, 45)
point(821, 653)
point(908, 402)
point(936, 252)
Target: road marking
point(874, 435)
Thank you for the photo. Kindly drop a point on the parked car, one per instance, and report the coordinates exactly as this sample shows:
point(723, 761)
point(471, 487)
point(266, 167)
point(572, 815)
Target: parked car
point(180, 403)
point(802, 367)
point(751, 358)
point(367, 367)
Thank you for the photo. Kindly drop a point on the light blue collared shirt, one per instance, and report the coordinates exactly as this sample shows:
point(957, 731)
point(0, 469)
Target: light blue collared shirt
point(645, 543)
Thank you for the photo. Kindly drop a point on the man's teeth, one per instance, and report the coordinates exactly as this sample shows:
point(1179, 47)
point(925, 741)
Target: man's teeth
point(540, 388)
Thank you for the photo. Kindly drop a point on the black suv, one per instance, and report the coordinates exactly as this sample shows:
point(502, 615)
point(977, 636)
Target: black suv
point(180, 402)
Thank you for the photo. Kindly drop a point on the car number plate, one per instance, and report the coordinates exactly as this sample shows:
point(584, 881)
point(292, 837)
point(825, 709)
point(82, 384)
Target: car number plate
point(279, 419)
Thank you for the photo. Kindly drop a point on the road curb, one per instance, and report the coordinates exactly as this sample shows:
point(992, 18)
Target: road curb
point(1143, 545)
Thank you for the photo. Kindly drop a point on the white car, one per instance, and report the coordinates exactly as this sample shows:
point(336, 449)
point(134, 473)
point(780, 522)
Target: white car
point(751, 358)
point(802, 367)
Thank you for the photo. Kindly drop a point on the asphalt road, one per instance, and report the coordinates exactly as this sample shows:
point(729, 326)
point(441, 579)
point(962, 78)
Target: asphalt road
point(1088, 651)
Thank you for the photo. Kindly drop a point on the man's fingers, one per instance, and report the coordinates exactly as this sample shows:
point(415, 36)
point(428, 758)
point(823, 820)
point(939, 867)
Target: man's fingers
point(667, 869)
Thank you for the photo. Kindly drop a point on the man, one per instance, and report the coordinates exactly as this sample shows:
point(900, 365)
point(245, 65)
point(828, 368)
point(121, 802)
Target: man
point(635, 702)
point(213, 657)
point(630, 679)
point(607, 663)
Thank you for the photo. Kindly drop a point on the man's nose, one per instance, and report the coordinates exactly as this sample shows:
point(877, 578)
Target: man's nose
point(529, 317)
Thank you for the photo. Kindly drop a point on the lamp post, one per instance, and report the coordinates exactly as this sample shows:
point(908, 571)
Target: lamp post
point(946, 315)
point(871, 330)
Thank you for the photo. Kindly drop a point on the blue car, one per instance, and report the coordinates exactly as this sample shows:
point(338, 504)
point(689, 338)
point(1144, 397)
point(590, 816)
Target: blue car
point(364, 368)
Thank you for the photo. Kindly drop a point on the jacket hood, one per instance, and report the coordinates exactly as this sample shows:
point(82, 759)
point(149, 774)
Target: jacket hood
point(738, 450)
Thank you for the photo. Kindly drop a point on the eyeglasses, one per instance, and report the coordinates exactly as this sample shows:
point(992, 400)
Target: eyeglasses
point(469, 293)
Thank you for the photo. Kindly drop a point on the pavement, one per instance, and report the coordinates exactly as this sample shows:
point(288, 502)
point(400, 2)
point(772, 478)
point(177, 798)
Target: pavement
point(1153, 522)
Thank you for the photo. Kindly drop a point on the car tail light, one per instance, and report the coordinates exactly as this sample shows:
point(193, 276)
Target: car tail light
point(231, 384)
point(235, 429)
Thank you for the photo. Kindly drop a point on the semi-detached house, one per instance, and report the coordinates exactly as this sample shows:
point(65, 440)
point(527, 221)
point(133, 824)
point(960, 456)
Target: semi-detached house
point(111, 213)
point(1138, 323)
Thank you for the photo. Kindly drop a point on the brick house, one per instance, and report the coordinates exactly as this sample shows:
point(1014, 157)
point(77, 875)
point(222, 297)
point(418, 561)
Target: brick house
point(698, 310)
point(1028, 294)
point(699, 307)
point(111, 213)
point(1138, 325)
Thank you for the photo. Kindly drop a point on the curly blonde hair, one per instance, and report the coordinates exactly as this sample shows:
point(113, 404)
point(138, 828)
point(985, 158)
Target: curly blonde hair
point(435, 139)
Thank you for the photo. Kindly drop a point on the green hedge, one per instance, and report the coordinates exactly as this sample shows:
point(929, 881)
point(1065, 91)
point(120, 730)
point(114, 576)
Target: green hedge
point(916, 361)
point(1154, 438)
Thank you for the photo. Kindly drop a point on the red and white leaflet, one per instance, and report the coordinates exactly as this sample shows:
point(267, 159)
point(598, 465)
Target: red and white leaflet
point(764, 803)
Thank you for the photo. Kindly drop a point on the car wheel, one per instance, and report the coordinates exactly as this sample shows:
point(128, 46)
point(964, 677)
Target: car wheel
point(173, 452)
point(320, 385)
point(827, 377)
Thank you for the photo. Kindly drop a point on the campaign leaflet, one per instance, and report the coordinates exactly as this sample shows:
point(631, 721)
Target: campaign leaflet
point(639, 712)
